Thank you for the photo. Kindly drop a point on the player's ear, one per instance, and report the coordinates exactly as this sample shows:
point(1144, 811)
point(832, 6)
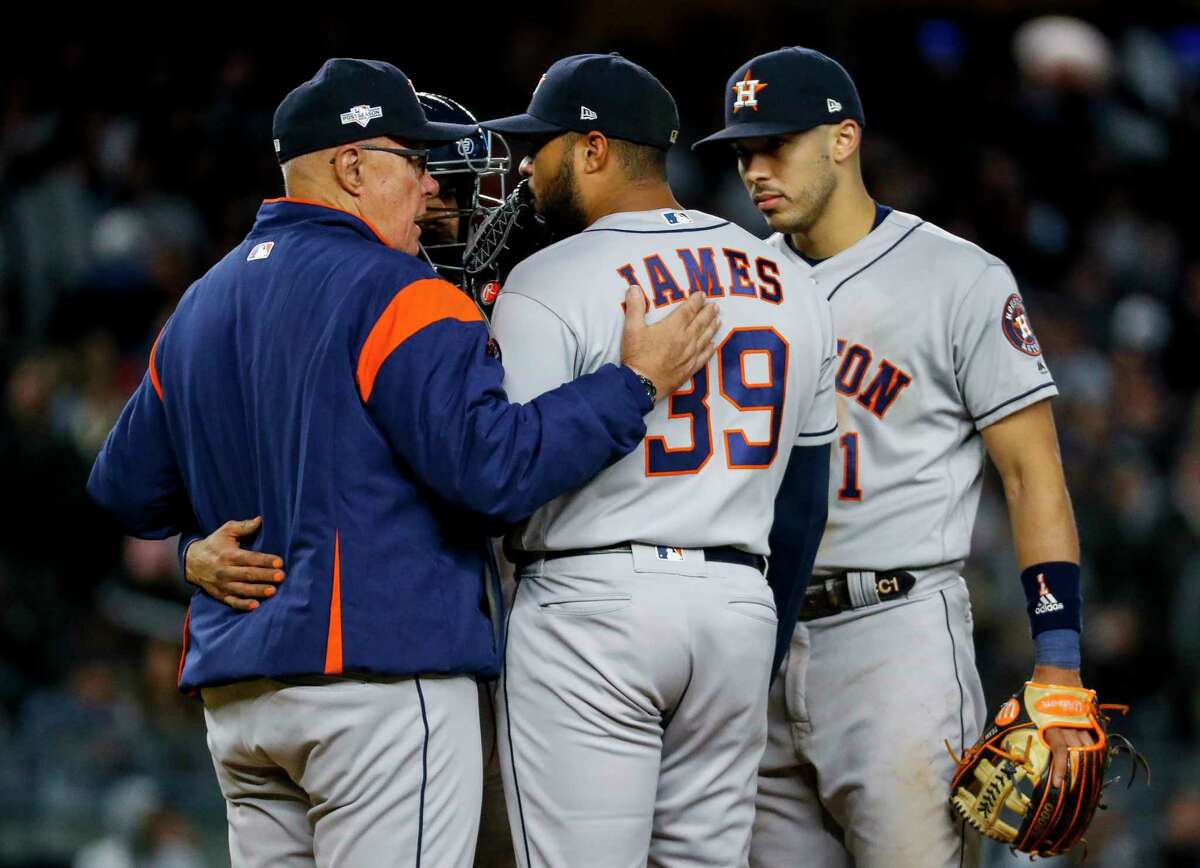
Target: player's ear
point(596, 151)
point(347, 167)
point(847, 136)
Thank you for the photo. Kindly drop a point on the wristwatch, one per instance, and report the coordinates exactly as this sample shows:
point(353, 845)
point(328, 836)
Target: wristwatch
point(647, 384)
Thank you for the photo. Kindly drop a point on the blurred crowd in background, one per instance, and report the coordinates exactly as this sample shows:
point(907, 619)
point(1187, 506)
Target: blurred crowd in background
point(1070, 147)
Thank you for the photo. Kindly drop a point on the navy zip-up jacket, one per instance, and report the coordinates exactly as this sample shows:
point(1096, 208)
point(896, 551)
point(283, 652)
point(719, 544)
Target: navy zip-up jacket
point(344, 392)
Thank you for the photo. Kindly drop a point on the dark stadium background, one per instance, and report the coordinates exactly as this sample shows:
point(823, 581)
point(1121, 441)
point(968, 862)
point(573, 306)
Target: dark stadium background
point(134, 152)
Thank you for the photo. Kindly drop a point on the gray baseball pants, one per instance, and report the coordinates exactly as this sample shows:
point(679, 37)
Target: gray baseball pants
point(632, 710)
point(855, 774)
point(348, 772)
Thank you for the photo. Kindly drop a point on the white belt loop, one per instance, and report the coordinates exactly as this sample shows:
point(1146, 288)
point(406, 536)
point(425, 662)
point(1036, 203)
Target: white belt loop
point(862, 589)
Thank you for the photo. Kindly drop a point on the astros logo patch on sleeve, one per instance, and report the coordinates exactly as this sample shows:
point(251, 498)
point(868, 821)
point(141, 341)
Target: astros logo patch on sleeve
point(1017, 329)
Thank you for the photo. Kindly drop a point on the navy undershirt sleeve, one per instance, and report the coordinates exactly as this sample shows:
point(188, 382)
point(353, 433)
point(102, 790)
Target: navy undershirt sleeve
point(801, 508)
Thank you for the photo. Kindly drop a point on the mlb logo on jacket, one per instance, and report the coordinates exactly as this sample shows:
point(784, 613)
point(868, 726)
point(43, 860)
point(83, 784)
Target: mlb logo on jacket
point(260, 251)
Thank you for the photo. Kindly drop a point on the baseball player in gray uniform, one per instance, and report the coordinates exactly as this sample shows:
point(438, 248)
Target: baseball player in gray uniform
point(937, 364)
point(632, 709)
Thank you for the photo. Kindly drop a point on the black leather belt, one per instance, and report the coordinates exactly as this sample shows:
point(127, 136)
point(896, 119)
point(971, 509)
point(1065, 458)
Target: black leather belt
point(853, 589)
point(720, 554)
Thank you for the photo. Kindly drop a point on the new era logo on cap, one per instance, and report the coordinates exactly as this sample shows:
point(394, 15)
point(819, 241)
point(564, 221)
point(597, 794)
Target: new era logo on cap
point(833, 105)
point(586, 114)
point(362, 114)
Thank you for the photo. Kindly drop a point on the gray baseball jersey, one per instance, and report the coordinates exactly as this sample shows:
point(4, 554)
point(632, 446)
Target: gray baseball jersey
point(933, 344)
point(715, 452)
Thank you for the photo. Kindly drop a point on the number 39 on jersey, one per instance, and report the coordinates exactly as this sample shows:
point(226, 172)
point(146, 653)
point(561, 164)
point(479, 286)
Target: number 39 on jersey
point(745, 387)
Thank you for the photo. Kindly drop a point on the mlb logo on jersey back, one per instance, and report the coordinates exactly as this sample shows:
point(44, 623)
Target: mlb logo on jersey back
point(670, 553)
point(676, 217)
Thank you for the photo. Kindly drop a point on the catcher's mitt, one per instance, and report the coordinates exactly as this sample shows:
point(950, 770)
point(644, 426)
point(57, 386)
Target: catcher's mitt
point(507, 235)
point(1002, 785)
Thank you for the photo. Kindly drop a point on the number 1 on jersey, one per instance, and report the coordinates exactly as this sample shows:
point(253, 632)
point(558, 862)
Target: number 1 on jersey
point(849, 489)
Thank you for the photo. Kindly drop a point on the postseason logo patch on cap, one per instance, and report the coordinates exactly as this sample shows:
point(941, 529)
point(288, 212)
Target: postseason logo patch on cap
point(362, 115)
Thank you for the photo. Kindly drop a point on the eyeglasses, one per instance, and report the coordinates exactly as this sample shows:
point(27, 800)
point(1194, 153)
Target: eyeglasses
point(418, 156)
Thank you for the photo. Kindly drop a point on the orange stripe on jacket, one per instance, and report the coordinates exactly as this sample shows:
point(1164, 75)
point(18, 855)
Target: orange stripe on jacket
point(153, 372)
point(421, 303)
point(187, 620)
point(333, 642)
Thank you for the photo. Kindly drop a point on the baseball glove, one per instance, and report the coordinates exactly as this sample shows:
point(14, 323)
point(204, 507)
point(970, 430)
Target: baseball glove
point(1002, 786)
point(510, 233)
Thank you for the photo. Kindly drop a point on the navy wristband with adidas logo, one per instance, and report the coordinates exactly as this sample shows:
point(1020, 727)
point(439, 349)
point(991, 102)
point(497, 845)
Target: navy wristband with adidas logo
point(1054, 595)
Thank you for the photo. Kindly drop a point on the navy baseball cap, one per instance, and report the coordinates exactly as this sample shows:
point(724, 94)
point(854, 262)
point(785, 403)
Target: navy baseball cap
point(602, 92)
point(349, 100)
point(786, 91)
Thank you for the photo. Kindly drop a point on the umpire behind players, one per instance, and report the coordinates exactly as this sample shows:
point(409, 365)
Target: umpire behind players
point(325, 378)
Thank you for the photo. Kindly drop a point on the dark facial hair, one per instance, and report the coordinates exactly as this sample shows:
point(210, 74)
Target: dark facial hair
point(558, 201)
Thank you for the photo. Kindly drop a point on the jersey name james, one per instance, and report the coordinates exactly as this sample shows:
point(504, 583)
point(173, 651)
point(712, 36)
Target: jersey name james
point(701, 269)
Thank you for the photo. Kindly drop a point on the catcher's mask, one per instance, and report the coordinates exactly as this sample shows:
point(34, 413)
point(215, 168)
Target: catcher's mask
point(474, 170)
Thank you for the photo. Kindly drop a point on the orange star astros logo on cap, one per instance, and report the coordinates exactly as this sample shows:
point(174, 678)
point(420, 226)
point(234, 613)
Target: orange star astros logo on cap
point(746, 90)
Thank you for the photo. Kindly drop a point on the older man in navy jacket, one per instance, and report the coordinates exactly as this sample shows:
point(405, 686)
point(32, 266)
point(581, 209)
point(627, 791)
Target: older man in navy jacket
point(322, 376)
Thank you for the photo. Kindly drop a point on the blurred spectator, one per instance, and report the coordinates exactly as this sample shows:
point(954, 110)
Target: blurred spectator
point(141, 832)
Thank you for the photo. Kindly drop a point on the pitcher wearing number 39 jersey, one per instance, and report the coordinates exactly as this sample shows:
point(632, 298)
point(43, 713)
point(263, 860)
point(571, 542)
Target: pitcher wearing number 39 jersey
point(632, 708)
point(716, 451)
